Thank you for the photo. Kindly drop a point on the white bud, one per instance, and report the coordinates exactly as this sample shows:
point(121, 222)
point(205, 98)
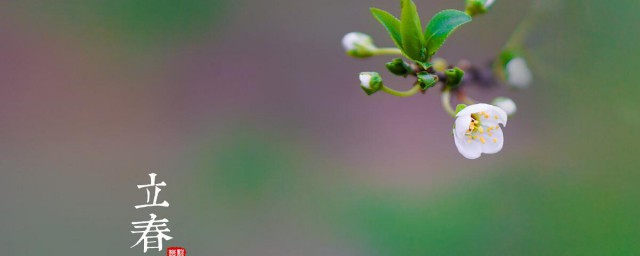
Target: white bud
point(353, 40)
point(505, 104)
point(358, 45)
point(365, 80)
point(518, 73)
point(370, 82)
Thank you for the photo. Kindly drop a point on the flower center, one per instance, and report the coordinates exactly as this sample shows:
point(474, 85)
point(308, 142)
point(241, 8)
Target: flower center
point(477, 132)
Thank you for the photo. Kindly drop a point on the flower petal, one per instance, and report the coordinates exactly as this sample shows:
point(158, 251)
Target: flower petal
point(462, 125)
point(492, 121)
point(492, 112)
point(499, 113)
point(475, 108)
point(494, 142)
point(470, 150)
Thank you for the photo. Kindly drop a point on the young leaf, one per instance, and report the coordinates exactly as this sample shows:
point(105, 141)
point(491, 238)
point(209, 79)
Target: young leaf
point(390, 23)
point(441, 26)
point(413, 41)
point(460, 107)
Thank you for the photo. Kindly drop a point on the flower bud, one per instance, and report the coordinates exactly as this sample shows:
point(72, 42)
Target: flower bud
point(454, 77)
point(518, 73)
point(427, 80)
point(505, 104)
point(475, 7)
point(370, 82)
point(440, 64)
point(358, 45)
point(399, 67)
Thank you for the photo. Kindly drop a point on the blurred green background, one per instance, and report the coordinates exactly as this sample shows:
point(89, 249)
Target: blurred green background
point(251, 113)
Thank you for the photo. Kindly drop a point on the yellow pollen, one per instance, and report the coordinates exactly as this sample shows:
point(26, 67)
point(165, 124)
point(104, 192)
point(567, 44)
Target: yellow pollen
point(497, 127)
point(469, 141)
point(495, 140)
point(480, 129)
point(496, 117)
point(482, 140)
point(486, 116)
point(490, 134)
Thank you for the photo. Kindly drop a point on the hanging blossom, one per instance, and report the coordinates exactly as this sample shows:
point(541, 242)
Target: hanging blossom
point(477, 130)
point(518, 73)
point(358, 45)
point(353, 40)
point(505, 104)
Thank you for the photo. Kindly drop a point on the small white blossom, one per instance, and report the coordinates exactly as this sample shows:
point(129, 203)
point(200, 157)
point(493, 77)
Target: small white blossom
point(505, 104)
point(518, 73)
point(477, 130)
point(353, 40)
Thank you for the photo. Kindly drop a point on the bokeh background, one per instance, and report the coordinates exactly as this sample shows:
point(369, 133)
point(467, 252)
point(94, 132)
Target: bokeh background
point(251, 113)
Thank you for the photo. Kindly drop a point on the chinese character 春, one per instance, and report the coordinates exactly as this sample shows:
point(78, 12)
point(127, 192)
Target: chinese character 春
point(153, 233)
point(156, 188)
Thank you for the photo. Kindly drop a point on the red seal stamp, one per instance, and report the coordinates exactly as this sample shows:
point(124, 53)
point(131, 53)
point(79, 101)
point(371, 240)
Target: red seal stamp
point(176, 251)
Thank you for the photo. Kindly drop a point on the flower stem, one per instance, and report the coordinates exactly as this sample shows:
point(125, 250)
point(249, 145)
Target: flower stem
point(387, 51)
point(446, 102)
point(415, 89)
point(516, 39)
point(462, 96)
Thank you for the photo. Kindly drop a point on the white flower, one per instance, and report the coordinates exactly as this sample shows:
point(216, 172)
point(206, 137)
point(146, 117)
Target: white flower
point(518, 73)
point(352, 41)
point(505, 104)
point(477, 130)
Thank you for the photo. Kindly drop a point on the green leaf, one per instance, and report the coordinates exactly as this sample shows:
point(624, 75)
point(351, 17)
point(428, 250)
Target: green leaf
point(460, 107)
point(441, 26)
point(390, 23)
point(413, 41)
